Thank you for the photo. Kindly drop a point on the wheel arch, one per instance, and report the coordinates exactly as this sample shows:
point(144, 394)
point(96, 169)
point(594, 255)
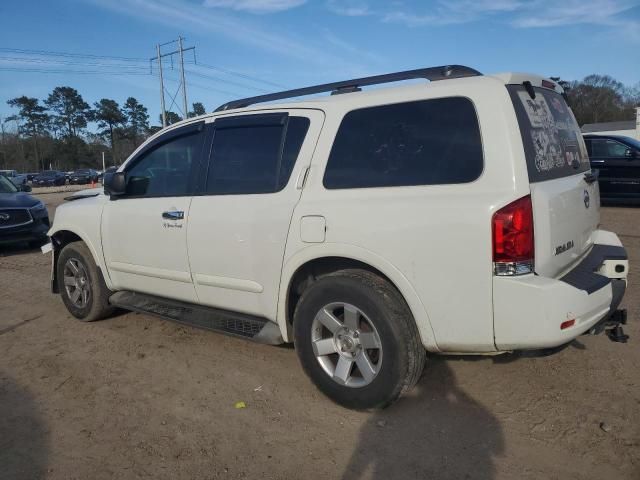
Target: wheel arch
point(314, 261)
point(61, 237)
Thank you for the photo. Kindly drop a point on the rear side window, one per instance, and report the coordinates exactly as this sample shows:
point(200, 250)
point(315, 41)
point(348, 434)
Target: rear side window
point(428, 142)
point(552, 140)
point(259, 158)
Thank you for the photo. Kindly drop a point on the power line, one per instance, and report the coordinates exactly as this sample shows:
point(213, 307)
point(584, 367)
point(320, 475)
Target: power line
point(243, 75)
point(69, 54)
point(73, 72)
point(72, 55)
point(211, 77)
point(43, 61)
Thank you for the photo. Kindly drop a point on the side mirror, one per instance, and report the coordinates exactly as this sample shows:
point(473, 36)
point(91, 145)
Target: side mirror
point(115, 184)
point(629, 153)
point(25, 188)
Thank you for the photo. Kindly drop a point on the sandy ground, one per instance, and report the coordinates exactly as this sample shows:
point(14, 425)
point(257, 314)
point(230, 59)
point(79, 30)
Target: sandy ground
point(138, 397)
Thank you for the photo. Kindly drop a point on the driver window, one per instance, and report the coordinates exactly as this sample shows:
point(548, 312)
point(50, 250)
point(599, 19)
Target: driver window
point(165, 170)
point(616, 149)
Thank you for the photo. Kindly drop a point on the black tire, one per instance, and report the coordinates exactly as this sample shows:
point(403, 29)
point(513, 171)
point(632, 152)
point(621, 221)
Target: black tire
point(403, 354)
point(97, 305)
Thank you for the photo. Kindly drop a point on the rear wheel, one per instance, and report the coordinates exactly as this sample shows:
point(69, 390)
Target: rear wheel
point(81, 284)
point(357, 340)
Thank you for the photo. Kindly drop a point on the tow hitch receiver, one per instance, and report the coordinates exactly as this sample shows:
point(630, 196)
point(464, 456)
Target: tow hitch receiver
point(613, 327)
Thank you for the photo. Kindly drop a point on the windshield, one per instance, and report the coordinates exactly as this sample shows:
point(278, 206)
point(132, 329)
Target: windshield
point(48, 173)
point(552, 140)
point(82, 172)
point(6, 185)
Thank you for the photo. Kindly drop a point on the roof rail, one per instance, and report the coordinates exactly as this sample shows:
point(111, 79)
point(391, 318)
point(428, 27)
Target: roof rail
point(346, 86)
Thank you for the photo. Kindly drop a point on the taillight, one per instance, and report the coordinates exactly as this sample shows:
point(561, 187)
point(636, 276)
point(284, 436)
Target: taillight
point(513, 250)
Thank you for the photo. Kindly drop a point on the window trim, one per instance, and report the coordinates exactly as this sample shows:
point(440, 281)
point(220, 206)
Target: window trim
point(162, 139)
point(429, 185)
point(245, 121)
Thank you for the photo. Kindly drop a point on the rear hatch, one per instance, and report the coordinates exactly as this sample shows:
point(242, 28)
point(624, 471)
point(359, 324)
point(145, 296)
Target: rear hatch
point(566, 208)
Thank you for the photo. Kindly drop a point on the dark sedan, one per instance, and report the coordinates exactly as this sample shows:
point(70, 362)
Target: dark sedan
point(616, 158)
point(49, 178)
point(23, 218)
point(83, 176)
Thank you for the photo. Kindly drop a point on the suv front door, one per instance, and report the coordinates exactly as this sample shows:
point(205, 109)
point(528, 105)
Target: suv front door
point(238, 226)
point(144, 231)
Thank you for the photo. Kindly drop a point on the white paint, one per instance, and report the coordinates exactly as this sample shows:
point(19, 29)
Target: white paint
point(240, 252)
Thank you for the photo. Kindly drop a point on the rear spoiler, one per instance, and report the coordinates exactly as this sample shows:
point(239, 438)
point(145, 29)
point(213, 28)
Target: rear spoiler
point(512, 78)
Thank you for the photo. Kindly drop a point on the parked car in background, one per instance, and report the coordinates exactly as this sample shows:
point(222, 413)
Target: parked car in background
point(49, 178)
point(30, 176)
point(23, 218)
point(83, 176)
point(617, 160)
point(15, 177)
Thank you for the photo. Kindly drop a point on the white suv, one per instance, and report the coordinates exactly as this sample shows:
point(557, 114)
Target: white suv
point(458, 216)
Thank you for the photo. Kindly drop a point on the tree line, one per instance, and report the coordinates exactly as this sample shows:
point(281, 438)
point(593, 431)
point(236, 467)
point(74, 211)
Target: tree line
point(54, 133)
point(600, 98)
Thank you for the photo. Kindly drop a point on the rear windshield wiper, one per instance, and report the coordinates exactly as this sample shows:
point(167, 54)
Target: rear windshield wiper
point(591, 177)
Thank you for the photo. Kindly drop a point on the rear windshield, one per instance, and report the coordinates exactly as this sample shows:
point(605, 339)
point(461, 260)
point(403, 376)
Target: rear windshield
point(552, 140)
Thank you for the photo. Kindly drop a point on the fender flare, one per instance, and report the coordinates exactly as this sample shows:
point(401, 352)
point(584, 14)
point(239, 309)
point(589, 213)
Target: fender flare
point(97, 257)
point(352, 252)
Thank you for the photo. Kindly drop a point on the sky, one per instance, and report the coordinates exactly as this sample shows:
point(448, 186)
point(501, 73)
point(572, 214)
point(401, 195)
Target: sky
point(249, 47)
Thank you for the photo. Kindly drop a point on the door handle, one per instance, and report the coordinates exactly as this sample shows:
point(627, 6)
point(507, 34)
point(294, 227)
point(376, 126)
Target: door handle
point(173, 215)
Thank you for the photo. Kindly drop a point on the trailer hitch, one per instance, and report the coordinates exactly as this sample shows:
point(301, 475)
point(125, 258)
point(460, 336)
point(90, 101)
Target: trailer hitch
point(612, 326)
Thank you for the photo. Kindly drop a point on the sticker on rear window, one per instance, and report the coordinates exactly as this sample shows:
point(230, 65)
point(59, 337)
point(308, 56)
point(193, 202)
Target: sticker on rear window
point(553, 143)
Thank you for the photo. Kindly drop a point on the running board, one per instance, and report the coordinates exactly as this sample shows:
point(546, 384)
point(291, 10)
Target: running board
point(230, 323)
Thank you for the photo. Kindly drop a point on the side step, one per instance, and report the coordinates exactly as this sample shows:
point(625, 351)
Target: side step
point(231, 323)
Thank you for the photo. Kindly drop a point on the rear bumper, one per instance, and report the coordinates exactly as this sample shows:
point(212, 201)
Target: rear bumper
point(529, 310)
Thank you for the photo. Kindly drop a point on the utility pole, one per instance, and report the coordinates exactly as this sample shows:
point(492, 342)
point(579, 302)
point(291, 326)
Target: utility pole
point(103, 165)
point(164, 112)
point(184, 84)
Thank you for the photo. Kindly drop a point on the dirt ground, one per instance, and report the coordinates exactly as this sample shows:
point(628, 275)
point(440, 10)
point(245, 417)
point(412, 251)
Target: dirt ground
point(138, 397)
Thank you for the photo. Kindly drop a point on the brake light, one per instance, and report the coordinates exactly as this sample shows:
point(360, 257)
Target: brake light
point(513, 248)
point(548, 84)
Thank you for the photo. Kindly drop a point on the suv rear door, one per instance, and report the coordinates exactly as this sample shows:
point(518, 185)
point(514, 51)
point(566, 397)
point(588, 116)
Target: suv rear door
point(239, 223)
point(565, 206)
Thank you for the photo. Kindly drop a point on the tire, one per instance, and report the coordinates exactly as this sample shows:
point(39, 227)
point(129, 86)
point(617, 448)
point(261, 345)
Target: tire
point(383, 322)
point(97, 294)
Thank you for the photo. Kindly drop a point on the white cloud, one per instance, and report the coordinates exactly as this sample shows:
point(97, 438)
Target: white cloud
point(572, 12)
point(517, 13)
point(350, 8)
point(196, 18)
point(333, 40)
point(255, 6)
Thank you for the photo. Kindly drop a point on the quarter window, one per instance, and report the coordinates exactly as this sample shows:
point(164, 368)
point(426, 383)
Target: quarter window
point(165, 170)
point(254, 158)
point(428, 142)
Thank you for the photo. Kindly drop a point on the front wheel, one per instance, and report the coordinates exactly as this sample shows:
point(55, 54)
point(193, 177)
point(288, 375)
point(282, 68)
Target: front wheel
point(81, 284)
point(357, 340)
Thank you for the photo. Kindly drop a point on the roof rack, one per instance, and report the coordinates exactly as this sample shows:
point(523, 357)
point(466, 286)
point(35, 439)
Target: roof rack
point(346, 86)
